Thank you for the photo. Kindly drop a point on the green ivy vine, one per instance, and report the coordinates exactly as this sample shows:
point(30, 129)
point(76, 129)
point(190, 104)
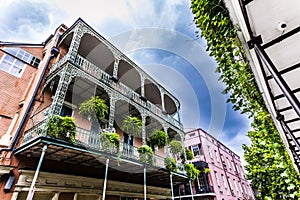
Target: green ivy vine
point(268, 164)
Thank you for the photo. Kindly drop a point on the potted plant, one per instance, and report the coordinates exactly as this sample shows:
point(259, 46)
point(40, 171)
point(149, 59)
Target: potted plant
point(132, 125)
point(146, 154)
point(206, 170)
point(176, 147)
point(61, 127)
point(159, 138)
point(191, 170)
point(170, 164)
point(95, 111)
point(188, 153)
point(110, 141)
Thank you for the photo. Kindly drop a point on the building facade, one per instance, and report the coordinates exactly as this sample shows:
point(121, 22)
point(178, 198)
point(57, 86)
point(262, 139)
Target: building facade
point(43, 81)
point(226, 173)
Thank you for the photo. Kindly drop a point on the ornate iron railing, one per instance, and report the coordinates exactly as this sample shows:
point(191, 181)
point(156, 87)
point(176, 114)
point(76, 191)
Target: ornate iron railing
point(86, 139)
point(104, 77)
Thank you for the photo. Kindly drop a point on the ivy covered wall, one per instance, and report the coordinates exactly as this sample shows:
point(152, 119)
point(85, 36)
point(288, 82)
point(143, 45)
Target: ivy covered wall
point(269, 167)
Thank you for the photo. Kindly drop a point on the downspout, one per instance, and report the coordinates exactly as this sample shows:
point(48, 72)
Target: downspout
point(54, 53)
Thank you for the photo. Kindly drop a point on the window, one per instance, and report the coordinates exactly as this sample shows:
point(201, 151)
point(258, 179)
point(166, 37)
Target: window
point(196, 150)
point(16, 66)
point(217, 155)
point(209, 152)
point(192, 134)
point(217, 179)
point(225, 183)
point(237, 168)
point(236, 187)
point(228, 163)
point(66, 111)
point(12, 65)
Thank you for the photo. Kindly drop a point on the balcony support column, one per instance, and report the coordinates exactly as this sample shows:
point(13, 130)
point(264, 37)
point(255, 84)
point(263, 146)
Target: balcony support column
point(143, 85)
point(32, 186)
point(105, 180)
point(116, 68)
point(145, 186)
point(112, 107)
point(171, 182)
point(162, 96)
point(74, 46)
point(144, 129)
point(191, 188)
point(66, 76)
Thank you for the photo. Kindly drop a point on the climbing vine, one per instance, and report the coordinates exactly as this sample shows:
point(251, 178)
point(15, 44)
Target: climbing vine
point(268, 165)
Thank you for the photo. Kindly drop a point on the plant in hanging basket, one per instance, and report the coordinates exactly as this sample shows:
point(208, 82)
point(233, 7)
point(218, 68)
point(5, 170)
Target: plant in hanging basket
point(176, 147)
point(110, 141)
point(61, 127)
point(159, 138)
point(206, 170)
point(170, 164)
point(146, 154)
point(189, 155)
point(132, 125)
point(191, 171)
point(93, 109)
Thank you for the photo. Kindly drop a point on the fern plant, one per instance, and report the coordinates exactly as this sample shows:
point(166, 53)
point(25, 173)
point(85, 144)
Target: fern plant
point(159, 138)
point(132, 125)
point(146, 154)
point(110, 141)
point(61, 127)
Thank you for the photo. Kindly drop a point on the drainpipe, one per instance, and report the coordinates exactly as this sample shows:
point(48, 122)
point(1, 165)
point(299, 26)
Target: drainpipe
point(54, 53)
point(32, 187)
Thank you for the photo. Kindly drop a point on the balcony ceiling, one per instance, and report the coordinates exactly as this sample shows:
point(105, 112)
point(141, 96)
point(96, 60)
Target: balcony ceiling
point(276, 25)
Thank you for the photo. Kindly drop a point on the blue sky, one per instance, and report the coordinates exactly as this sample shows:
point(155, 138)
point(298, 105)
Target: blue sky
point(159, 35)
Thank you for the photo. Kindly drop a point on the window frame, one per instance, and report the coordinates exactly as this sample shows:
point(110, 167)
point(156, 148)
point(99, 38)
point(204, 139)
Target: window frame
point(5, 60)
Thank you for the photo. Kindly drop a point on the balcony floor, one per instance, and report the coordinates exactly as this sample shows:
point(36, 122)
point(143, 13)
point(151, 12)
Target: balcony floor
point(78, 156)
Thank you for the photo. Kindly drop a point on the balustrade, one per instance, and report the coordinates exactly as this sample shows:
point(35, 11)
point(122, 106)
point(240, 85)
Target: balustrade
point(83, 139)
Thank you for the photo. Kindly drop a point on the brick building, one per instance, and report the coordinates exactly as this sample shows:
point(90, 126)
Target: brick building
point(226, 172)
point(40, 81)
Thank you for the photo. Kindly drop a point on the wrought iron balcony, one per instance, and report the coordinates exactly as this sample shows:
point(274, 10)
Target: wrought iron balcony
point(85, 139)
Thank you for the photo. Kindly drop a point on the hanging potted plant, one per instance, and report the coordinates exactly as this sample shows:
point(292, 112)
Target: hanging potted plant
point(170, 164)
point(146, 154)
point(110, 141)
point(159, 138)
point(206, 170)
point(132, 125)
point(176, 147)
point(61, 127)
point(95, 111)
point(188, 153)
point(191, 170)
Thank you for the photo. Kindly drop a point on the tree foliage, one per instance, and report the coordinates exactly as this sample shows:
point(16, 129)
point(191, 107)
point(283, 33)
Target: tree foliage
point(269, 166)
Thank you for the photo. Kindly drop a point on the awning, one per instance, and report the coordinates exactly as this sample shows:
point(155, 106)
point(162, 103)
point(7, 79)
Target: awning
point(271, 33)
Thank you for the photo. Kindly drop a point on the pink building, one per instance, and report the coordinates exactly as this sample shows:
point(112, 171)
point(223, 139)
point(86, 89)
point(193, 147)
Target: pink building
point(226, 172)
